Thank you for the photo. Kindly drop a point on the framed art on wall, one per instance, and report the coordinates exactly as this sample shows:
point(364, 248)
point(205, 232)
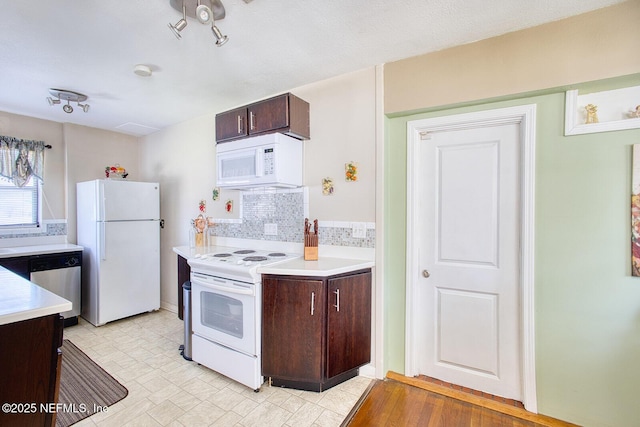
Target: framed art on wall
point(635, 212)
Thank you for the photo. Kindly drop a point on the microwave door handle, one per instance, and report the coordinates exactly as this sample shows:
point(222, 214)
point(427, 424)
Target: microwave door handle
point(259, 162)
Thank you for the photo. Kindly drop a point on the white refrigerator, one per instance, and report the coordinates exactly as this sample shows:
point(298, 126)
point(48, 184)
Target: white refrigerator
point(119, 228)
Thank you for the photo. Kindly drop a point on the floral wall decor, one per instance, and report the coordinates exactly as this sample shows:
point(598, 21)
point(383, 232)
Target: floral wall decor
point(351, 171)
point(327, 186)
point(215, 195)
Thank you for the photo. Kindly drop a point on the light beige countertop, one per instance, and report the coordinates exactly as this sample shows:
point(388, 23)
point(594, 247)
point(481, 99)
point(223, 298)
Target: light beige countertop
point(323, 267)
point(22, 300)
point(16, 251)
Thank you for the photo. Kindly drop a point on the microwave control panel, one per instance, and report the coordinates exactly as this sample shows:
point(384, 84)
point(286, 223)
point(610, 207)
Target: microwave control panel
point(269, 161)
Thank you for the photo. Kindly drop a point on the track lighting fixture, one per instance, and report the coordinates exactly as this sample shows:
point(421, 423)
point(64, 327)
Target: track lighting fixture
point(205, 11)
point(69, 96)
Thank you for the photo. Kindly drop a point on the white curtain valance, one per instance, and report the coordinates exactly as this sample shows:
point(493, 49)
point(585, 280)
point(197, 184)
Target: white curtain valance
point(21, 159)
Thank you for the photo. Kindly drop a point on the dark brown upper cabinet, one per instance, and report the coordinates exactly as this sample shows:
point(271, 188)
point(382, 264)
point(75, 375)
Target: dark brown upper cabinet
point(285, 113)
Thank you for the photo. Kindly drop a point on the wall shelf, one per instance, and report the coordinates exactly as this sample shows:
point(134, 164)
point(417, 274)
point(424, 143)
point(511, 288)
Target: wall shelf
point(614, 107)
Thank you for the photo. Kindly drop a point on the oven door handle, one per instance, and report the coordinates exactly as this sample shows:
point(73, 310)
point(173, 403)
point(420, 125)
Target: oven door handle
point(230, 290)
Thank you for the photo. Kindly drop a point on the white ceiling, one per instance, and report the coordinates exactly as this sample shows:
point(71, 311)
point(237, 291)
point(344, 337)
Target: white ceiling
point(92, 46)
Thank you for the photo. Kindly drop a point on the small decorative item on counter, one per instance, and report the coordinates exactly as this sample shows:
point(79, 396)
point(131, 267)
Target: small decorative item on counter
point(215, 193)
point(327, 186)
point(592, 113)
point(635, 114)
point(310, 240)
point(202, 206)
point(229, 206)
point(200, 224)
point(115, 172)
point(351, 171)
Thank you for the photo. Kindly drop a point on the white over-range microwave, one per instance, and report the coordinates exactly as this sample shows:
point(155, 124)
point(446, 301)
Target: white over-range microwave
point(272, 160)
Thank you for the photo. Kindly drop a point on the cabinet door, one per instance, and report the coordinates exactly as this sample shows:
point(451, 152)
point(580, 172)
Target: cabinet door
point(184, 274)
point(268, 115)
point(18, 265)
point(292, 328)
point(231, 125)
point(349, 323)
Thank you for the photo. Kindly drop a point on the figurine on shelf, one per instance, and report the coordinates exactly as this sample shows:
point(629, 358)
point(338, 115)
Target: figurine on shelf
point(635, 114)
point(592, 114)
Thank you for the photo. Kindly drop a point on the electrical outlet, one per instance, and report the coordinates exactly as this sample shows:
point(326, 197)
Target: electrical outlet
point(271, 229)
point(358, 230)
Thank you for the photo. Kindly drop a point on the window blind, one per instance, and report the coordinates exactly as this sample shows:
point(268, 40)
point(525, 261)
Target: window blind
point(19, 205)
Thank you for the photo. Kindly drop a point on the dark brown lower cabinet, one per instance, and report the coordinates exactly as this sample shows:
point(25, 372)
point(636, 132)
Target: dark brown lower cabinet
point(316, 332)
point(30, 362)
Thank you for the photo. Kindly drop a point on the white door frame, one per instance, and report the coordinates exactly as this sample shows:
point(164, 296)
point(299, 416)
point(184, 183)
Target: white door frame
point(417, 131)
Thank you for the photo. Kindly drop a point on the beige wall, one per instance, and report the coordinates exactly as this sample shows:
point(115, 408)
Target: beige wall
point(89, 151)
point(342, 130)
point(181, 158)
point(592, 46)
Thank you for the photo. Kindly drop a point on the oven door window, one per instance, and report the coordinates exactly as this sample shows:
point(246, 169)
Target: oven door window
point(222, 313)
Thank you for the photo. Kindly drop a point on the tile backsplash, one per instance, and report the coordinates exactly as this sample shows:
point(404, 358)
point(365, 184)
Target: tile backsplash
point(47, 229)
point(287, 209)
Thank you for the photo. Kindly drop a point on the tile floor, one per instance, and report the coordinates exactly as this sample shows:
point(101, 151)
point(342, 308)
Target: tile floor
point(167, 390)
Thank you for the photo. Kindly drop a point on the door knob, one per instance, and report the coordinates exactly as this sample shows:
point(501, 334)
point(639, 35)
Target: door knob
point(426, 274)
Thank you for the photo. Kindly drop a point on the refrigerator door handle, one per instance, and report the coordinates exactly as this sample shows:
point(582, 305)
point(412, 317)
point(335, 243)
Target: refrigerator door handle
point(103, 244)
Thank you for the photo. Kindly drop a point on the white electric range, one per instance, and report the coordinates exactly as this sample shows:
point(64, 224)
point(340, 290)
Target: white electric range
point(226, 297)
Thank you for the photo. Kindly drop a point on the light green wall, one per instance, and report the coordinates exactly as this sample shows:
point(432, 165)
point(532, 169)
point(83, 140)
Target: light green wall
point(587, 306)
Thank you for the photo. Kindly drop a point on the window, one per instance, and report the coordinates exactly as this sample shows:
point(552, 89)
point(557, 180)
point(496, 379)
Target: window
point(21, 172)
point(20, 206)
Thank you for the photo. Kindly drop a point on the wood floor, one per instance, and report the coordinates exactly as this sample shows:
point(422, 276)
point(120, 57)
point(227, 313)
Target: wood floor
point(403, 401)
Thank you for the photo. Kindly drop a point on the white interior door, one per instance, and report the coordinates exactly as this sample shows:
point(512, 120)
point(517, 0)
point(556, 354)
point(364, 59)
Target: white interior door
point(468, 252)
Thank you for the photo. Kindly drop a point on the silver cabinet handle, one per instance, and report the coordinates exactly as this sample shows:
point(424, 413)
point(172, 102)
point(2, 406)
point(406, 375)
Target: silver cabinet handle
point(337, 304)
point(240, 125)
point(426, 274)
point(252, 117)
point(313, 302)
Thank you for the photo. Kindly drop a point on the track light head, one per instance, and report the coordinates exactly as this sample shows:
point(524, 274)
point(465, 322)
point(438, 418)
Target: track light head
point(85, 107)
point(220, 38)
point(67, 108)
point(181, 24)
point(52, 101)
point(204, 14)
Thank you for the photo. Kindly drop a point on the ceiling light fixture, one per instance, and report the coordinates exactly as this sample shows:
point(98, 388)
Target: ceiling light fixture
point(142, 70)
point(69, 96)
point(205, 11)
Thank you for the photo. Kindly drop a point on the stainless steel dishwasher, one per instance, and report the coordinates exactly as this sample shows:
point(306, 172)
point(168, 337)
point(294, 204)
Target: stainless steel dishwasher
point(60, 273)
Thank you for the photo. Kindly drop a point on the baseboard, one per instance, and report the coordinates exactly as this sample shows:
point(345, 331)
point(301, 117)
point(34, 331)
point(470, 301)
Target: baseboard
point(368, 371)
point(169, 307)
